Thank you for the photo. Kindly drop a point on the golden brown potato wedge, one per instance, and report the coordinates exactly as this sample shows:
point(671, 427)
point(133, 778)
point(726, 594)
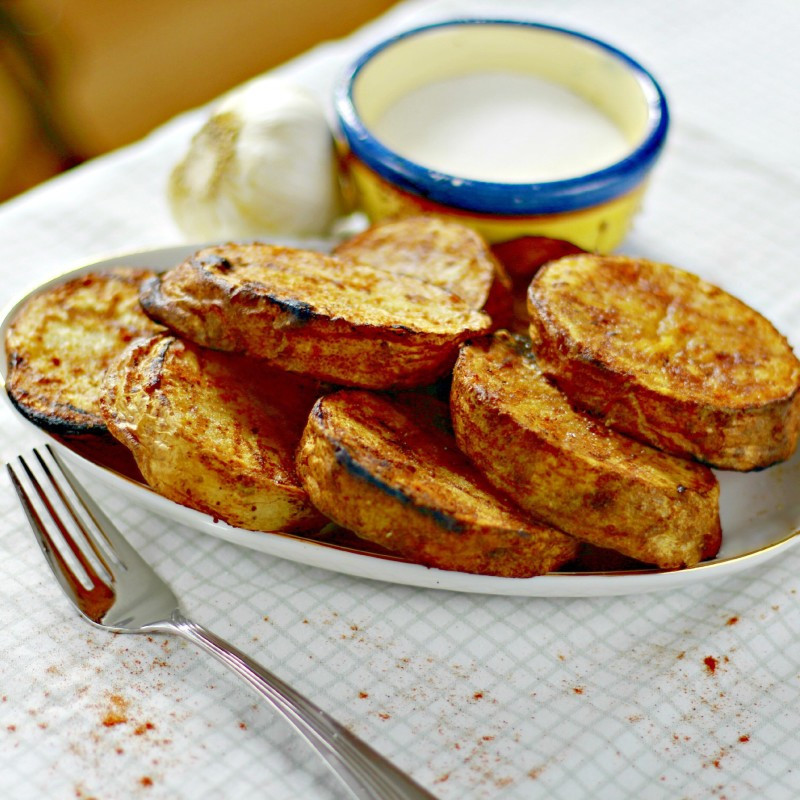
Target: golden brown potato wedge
point(391, 472)
point(662, 355)
point(571, 471)
point(311, 313)
point(61, 341)
point(213, 431)
point(521, 259)
point(432, 249)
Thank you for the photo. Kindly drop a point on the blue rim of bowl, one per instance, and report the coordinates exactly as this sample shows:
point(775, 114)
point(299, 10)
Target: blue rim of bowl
point(548, 197)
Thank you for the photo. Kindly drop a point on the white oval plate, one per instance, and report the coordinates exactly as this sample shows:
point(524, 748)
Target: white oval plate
point(760, 512)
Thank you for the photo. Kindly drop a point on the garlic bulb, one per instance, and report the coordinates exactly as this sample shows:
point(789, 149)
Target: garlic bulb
point(263, 163)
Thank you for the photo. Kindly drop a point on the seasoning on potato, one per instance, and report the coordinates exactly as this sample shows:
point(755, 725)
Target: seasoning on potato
point(668, 358)
point(571, 471)
point(390, 472)
point(212, 431)
point(306, 312)
point(61, 341)
point(435, 250)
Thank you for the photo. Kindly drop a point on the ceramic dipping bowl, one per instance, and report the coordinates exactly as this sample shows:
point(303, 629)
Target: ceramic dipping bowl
point(515, 128)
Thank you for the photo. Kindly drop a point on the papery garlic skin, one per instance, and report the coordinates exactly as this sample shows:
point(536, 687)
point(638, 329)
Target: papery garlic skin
point(263, 163)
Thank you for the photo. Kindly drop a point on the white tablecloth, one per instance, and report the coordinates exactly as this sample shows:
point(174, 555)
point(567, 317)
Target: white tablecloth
point(690, 693)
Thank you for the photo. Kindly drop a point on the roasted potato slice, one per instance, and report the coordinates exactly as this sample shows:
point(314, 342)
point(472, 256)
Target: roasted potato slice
point(390, 472)
point(662, 355)
point(573, 472)
point(521, 259)
point(432, 249)
point(307, 312)
point(213, 431)
point(61, 341)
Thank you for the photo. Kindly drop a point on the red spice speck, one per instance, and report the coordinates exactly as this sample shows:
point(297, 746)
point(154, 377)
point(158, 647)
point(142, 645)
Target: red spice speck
point(732, 621)
point(117, 713)
point(363, 695)
point(243, 726)
point(477, 696)
point(744, 738)
point(146, 781)
point(384, 715)
point(711, 663)
point(535, 772)
point(578, 690)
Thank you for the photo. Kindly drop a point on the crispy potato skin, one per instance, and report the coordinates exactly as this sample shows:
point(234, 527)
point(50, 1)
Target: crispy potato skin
point(435, 250)
point(390, 472)
point(306, 312)
point(571, 471)
point(61, 341)
point(521, 259)
point(213, 431)
point(665, 357)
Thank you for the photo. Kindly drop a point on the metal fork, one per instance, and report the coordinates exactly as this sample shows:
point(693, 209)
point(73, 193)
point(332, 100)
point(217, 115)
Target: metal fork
point(115, 589)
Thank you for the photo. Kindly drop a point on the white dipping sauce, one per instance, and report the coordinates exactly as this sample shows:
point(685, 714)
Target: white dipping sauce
point(502, 127)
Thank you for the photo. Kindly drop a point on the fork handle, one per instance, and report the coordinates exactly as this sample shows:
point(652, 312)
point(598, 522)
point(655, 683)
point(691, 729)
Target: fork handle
point(365, 773)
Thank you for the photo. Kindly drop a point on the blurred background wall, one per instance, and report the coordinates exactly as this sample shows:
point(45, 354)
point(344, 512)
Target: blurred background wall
point(81, 77)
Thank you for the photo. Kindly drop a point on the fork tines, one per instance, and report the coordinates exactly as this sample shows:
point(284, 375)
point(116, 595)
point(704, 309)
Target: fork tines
point(66, 527)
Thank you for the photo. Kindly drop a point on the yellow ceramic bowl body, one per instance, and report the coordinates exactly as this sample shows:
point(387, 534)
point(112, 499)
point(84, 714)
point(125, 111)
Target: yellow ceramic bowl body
point(593, 210)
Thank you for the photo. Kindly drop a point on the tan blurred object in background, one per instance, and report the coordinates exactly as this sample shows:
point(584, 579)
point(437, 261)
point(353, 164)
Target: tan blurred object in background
point(81, 77)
